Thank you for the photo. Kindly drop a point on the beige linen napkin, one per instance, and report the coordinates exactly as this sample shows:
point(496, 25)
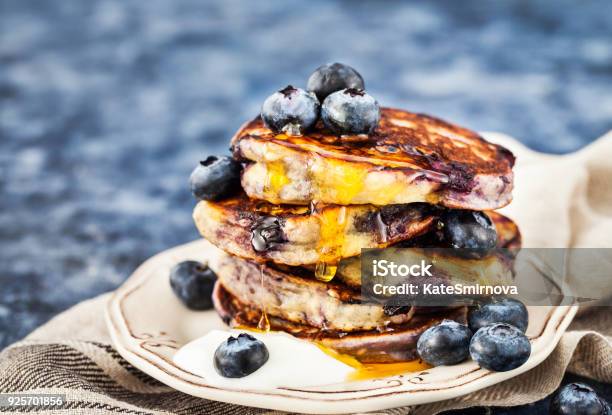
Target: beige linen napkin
point(560, 201)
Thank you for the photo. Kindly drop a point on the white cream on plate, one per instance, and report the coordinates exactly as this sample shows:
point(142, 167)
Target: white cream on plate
point(292, 363)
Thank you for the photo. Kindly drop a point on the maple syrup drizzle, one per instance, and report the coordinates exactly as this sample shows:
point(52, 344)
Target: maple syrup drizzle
point(276, 178)
point(383, 370)
point(367, 371)
point(264, 322)
point(336, 179)
point(325, 272)
point(332, 225)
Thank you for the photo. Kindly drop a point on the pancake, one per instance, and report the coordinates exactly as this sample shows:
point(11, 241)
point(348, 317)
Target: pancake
point(397, 343)
point(327, 234)
point(301, 298)
point(408, 158)
point(301, 235)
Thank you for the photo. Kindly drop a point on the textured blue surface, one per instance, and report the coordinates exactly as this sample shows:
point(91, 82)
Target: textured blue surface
point(106, 106)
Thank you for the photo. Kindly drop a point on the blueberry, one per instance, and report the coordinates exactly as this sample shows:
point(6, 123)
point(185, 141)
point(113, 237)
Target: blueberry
point(215, 178)
point(291, 110)
point(333, 77)
point(193, 283)
point(240, 356)
point(350, 111)
point(266, 234)
point(577, 399)
point(500, 347)
point(445, 344)
point(505, 310)
point(470, 231)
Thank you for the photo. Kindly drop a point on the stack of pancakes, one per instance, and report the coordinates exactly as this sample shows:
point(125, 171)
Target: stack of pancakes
point(310, 203)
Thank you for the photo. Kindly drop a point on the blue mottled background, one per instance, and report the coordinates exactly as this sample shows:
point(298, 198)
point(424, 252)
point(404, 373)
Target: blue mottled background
point(107, 105)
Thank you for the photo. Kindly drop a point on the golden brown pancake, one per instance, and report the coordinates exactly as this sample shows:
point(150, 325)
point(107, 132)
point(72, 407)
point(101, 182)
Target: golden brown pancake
point(408, 158)
point(308, 235)
point(325, 234)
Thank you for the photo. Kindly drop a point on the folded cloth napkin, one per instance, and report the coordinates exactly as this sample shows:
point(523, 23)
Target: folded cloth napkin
point(560, 201)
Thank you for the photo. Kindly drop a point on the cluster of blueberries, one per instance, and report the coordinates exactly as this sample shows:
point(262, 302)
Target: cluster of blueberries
point(335, 94)
point(346, 109)
point(494, 337)
point(499, 344)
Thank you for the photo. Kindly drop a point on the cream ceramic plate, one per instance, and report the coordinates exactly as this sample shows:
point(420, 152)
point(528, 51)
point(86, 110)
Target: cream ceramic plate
point(148, 325)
